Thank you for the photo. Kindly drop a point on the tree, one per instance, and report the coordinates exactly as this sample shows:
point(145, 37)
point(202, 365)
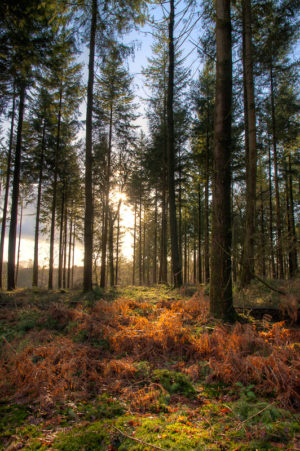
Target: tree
point(221, 284)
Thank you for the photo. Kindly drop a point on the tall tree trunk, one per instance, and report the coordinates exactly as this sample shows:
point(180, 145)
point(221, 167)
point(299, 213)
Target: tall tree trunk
point(15, 195)
point(54, 196)
point(275, 160)
point(199, 236)
point(61, 228)
point(65, 248)
point(144, 249)
point(185, 251)
point(35, 271)
point(89, 206)
point(19, 243)
point(140, 241)
point(271, 217)
point(206, 200)
point(163, 268)
point(9, 157)
point(155, 242)
point(70, 251)
point(106, 205)
point(118, 244)
point(180, 210)
point(176, 267)
point(221, 304)
point(134, 246)
point(111, 250)
point(73, 256)
point(250, 145)
point(262, 233)
point(293, 267)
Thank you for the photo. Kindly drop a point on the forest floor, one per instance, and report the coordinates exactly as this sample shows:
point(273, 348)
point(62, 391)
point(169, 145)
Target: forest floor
point(146, 368)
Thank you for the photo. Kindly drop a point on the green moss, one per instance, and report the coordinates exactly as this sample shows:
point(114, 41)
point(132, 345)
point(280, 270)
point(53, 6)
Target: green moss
point(11, 418)
point(164, 432)
point(174, 382)
point(103, 407)
point(88, 438)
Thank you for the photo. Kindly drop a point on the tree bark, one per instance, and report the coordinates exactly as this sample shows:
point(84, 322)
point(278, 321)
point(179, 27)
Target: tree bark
point(221, 305)
point(250, 145)
point(15, 195)
point(134, 246)
point(61, 228)
point(106, 205)
point(275, 161)
point(199, 236)
point(271, 217)
point(35, 272)
point(176, 267)
point(293, 247)
point(53, 208)
point(155, 243)
point(8, 171)
point(19, 243)
point(89, 206)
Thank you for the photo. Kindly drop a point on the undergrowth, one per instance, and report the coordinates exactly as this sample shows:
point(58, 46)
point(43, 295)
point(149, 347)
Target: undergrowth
point(98, 371)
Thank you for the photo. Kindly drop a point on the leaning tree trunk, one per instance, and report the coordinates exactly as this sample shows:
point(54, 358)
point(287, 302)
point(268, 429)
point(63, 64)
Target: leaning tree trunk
point(221, 304)
point(250, 145)
point(35, 271)
point(4, 215)
point(15, 196)
point(176, 267)
point(89, 207)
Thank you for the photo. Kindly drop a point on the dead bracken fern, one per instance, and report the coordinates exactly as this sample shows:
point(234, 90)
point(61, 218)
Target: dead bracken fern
point(101, 345)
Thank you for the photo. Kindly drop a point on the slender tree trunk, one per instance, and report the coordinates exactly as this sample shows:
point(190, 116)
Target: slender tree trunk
point(89, 206)
point(15, 195)
point(262, 234)
point(140, 242)
point(180, 210)
point(35, 271)
point(111, 250)
point(176, 267)
point(65, 247)
point(195, 253)
point(134, 246)
point(185, 251)
point(118, 244)
point(144, 248)
point(278, 216)
point(199, 236)
point(54, 196)
point(221, 304)
point(19, 243)
point(9, 157)
point(73, 257)
point(70, 251)
point(271, 218)
point(250, 145)
point(293, 268)
point(106, 205)
point(61, 227)
point(206, 200)
point(163, 269)
point(155, 243)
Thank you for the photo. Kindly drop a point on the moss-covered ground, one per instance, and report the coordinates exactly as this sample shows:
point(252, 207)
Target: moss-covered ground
point(143, 369)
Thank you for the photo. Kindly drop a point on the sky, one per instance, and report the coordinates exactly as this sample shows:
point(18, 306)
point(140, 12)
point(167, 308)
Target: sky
point(143, 39)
